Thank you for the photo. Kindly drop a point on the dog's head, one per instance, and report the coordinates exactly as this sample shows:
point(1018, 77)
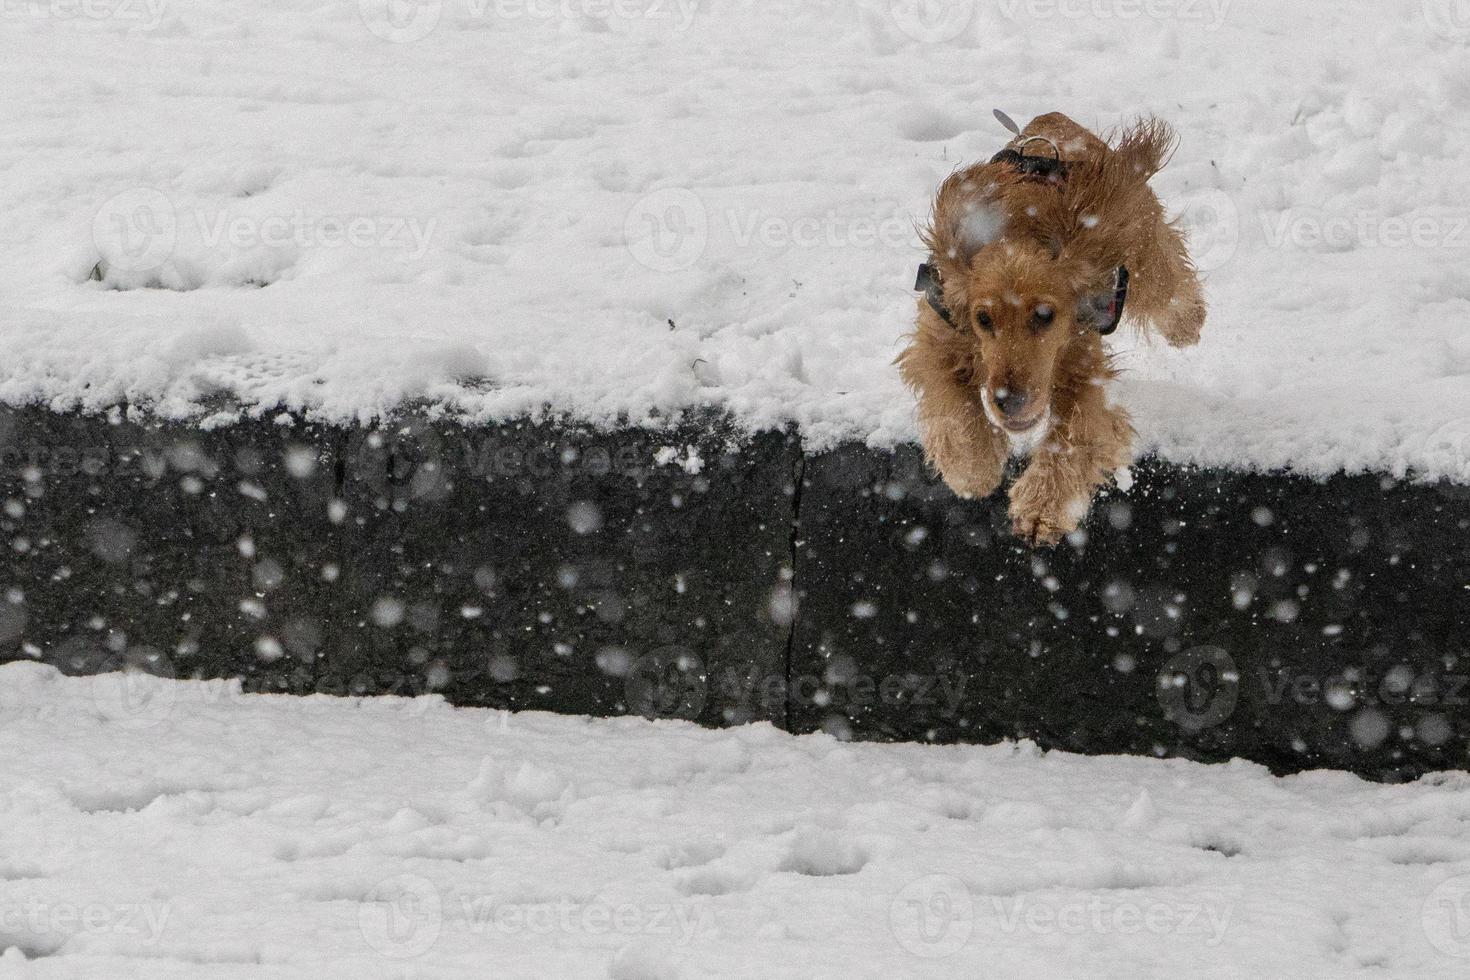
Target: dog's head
point(1021, 314)
point(1022, 309)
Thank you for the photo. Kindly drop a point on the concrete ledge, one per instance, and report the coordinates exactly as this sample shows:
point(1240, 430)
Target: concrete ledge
point(694, 573)
point(1208, 614)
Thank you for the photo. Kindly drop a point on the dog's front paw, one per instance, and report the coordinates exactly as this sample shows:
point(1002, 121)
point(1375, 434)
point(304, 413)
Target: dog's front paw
point(1042, 519)
point(1183, 325)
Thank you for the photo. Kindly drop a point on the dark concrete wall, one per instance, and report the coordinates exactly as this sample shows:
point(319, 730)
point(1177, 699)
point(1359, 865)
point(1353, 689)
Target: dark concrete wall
point(1205, 614)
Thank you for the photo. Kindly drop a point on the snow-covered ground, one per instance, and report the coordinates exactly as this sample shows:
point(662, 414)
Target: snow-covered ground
point(636, 205)
point(170, 829)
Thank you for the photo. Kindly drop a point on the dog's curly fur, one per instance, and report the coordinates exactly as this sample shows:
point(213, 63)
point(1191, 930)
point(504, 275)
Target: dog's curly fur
point(1026, 265)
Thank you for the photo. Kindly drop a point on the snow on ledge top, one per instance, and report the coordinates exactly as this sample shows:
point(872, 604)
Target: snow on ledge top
point(315, 208)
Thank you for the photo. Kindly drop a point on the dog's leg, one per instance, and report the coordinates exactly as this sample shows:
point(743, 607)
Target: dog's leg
point(1088, 442)
point(1169, 293)
point(959, 441)
point(1184, 318)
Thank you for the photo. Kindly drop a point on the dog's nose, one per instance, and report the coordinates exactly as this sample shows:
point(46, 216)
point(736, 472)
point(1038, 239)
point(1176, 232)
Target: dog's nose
point(1010, 401)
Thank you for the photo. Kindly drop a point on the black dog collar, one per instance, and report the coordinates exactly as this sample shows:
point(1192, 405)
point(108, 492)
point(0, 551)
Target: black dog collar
point(928, 283)
point(1050, 169)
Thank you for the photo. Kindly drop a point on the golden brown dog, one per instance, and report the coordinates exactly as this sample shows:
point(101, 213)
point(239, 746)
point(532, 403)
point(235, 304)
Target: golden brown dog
point(1034, 256)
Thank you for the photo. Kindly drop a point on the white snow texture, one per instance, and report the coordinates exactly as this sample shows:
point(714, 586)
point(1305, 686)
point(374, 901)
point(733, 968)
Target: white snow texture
point(179, 830)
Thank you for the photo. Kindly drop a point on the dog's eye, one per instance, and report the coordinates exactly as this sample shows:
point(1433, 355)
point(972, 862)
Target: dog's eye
point(1042, 316)
point(985, 322)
